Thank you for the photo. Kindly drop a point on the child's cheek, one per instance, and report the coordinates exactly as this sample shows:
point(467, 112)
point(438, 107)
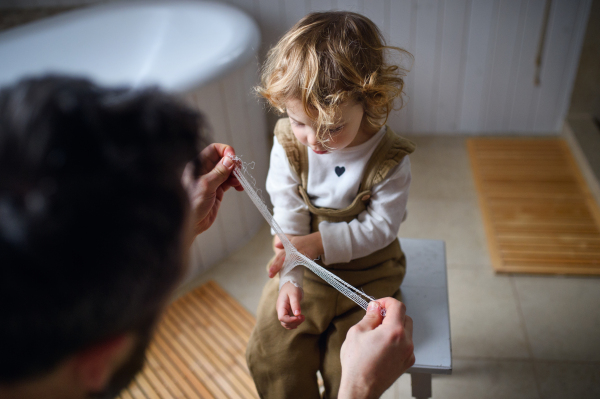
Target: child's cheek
point(299, 136)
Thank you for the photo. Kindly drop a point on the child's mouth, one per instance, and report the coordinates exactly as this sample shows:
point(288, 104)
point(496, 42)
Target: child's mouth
point(320, 152)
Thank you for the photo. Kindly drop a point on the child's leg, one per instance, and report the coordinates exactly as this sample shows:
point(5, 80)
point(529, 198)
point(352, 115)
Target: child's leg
point(284, 363)
point(331, 367)
point(384, 281)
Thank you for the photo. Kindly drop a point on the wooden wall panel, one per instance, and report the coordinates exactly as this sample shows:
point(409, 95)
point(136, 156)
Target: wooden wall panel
point(377, 11)
point(424, 68)
point(402, 34)
point(474, 63)
point(522, 93)
point(477, 42)
point(565, 28)
point(452, 62)
point(294, 10)
point(351, 5)
point(504, 40)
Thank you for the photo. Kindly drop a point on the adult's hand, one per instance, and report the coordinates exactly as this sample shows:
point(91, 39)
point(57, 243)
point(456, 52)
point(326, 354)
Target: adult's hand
point(377, 350)
point(206, 191)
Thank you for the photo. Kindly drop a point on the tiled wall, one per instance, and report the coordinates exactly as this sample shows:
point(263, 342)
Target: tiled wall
point(475, 60)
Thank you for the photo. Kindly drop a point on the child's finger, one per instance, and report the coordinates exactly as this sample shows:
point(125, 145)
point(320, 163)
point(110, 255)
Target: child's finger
point(295, 305)
point(286, 318)
point(292, 322)
point(277, 264)
point(283, 310)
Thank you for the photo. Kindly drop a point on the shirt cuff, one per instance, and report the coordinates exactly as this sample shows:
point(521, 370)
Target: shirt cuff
point(337, 243)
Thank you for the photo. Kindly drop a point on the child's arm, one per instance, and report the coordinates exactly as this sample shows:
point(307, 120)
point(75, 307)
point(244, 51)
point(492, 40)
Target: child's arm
point(374, 228)
point(289, 210)
point(288, 307)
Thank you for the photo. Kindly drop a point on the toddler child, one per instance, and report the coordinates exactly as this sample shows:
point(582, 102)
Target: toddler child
point(338, 181)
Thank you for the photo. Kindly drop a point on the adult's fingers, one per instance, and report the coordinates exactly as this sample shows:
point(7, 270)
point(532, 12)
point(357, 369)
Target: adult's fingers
point(372, 318)
point(395, 311)
point(213, 153)
point(408, 330)
point(220, 172)
point(408, 325)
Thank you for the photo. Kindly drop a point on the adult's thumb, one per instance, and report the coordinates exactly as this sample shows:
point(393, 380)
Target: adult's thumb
point(372, 319)
point(219, 174)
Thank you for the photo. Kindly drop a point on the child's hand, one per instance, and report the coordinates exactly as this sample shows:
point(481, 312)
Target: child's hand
point(288, 306)
point(277, 263)
point(310, 245)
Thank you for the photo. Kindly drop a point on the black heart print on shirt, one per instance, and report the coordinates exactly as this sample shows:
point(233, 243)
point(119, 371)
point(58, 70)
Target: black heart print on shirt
point(339, 170)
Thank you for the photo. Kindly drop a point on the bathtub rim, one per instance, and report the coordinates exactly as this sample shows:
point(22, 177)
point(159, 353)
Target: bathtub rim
point(250, 43)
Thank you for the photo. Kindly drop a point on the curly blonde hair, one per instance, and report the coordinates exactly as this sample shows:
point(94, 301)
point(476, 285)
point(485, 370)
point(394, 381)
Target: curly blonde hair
point(331, 57)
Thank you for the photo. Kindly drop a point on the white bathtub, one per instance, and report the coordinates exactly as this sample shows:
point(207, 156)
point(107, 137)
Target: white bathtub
point(204, 52)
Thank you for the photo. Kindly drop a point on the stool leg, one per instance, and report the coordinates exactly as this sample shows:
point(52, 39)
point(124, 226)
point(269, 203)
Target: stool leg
point(421, 385)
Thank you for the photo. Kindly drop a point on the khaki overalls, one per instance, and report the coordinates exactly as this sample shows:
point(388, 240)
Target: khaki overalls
point(284, 362)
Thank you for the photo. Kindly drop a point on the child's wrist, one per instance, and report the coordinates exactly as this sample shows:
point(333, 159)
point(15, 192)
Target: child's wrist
point(319, 243)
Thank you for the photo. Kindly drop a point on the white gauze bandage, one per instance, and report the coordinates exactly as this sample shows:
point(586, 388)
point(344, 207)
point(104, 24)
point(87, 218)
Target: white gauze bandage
point(294, 258)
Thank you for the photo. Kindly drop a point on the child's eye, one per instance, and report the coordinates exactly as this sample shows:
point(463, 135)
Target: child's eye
point(336, 129)
point(297, 123)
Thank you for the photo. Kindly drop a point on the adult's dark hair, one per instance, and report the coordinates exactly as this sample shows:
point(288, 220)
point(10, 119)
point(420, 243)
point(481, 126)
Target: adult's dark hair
point(92, 212)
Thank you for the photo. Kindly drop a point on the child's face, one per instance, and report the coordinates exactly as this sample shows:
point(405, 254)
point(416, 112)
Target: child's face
point(346, 133)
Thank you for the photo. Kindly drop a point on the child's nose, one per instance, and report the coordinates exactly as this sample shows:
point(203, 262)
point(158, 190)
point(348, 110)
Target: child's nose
point(311, 138)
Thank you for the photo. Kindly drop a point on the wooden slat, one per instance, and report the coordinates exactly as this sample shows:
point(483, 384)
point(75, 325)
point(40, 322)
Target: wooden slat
point(224, 312)
point(198, 350)
point(538, 212)
point(216, 332)
point(217, 326)
point(145, 386)
point(228, 371)
point(209, 372)
point(240, 310)
point(155, 383)
point(135, 391)
point(158, 375)
point(126, 395)
point(177, 371)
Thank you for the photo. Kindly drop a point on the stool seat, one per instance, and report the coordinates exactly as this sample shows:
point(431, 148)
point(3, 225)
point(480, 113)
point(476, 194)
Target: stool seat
point(425, 294)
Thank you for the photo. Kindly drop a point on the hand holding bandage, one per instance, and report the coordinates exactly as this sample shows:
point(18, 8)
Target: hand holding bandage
point(377, 350)
point(207, 183)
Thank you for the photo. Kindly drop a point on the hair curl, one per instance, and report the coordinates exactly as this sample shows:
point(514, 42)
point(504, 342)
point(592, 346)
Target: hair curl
point(331, 57)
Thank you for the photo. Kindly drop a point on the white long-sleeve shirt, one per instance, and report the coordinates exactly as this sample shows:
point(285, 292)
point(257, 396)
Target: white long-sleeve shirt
point(333, 182)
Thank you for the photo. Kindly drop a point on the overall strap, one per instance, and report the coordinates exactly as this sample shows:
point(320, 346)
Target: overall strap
point(297, 153)
point(389, 152)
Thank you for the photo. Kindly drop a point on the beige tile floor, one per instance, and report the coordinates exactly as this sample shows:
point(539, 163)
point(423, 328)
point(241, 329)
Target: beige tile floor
point(513, 336)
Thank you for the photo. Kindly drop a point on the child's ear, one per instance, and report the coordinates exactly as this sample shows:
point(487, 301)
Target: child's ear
point(93, 367)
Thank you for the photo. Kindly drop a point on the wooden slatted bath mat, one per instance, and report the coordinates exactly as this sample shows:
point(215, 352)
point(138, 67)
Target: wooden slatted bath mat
point(198, 350)
point(539, 214)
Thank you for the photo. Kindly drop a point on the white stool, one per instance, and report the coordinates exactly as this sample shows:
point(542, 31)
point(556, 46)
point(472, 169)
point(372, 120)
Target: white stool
point(425, 294)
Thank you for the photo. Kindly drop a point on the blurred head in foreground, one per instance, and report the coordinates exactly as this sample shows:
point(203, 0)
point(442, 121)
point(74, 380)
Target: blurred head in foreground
point(92, 225)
